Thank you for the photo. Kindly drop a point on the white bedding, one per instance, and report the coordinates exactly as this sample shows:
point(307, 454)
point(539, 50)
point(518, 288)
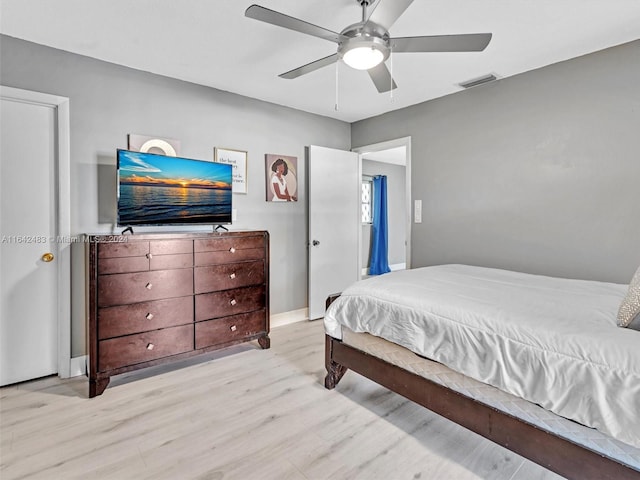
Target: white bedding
point(548, 340)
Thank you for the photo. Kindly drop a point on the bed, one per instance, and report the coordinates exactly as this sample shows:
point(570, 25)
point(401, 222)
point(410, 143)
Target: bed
point(536, 364)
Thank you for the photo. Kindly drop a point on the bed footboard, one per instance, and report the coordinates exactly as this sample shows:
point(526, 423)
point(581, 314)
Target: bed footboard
point(555, 453)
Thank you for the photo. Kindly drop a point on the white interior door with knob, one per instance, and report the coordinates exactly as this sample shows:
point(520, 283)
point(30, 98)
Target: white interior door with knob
point(334, 224)
point(28, 246)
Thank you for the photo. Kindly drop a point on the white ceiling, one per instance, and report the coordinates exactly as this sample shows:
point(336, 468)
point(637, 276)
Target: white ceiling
point(211, 42)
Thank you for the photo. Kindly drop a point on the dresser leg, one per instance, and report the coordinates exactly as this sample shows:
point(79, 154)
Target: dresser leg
point(96, 387)
point(265, 342)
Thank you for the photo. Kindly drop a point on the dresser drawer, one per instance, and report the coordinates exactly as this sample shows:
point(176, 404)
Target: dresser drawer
point(145, 316)
point(229, 302)
point(166, 262)
point(229, 329)
point(166, 247)
point(228, 243)
point(122, 249)
point(125, 288)
point(224, 277)
point(227, 256)
point(142, 347)
point(123, 265)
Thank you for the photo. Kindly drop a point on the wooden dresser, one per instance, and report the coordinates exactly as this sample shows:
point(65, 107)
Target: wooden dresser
point(158, 298)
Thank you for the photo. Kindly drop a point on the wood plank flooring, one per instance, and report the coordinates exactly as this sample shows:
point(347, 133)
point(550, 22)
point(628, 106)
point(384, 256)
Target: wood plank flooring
point(244, 413)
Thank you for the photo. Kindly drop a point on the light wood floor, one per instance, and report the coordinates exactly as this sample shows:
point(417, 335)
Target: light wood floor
point(244, 414)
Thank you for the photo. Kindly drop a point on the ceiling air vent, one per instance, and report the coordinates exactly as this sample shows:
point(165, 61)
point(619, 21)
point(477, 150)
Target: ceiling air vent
point(478, 81)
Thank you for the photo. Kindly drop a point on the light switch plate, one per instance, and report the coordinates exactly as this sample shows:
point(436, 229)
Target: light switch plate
point(417, 211)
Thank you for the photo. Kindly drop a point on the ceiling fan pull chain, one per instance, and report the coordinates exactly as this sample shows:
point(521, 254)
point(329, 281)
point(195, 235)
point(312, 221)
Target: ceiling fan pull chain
point(391, 73)
point(336, 105)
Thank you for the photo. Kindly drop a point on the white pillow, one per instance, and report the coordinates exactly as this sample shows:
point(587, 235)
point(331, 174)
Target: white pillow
point(629, 312)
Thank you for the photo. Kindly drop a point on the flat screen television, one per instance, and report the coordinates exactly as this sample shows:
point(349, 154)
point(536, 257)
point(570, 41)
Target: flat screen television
point(160, 190)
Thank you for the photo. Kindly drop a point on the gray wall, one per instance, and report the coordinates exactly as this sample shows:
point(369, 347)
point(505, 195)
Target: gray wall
point(107, 102)
point(538, 172)
point(396, 211)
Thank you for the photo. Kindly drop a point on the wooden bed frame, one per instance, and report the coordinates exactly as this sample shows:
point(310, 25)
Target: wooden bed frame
point(545, 448)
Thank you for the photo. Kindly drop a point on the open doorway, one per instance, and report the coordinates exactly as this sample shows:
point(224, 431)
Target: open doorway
point(392, 159)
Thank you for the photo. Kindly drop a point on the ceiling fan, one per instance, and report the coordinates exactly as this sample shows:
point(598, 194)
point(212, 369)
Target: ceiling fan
point(367, 44)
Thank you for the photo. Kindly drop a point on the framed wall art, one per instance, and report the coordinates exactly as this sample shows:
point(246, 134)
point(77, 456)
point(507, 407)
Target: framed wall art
point(238, 159)
point(281, 176)
point(160, 146)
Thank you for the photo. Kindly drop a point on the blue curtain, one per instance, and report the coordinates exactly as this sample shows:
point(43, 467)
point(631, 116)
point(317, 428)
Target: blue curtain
point(380, 235)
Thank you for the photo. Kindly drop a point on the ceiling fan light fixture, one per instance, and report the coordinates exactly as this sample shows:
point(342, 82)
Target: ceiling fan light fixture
point(364, 52)
point(363, 58)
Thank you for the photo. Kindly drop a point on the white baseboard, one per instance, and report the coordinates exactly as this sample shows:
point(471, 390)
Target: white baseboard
point(286, 318)
point(78, 366)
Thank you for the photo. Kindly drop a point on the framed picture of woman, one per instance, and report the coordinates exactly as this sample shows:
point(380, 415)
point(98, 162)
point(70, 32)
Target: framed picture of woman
point(281, 178)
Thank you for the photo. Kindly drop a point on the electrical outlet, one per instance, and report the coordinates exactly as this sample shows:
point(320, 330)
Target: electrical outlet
point(234, 214)
point(417, 211)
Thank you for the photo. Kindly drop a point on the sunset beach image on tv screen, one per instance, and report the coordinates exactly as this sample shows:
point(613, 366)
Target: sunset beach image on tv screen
point(161, 190)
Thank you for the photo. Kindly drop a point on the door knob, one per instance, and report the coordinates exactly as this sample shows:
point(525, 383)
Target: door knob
point(47, 257)
point(315, 243)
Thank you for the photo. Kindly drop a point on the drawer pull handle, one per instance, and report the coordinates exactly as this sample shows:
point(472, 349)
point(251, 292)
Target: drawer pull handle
point(149, 286)
point(233, 301)
point(232, 276)
point(149, 316)
point(149, 256)
point(150, 346)
point(232, 250)
point(233, 328)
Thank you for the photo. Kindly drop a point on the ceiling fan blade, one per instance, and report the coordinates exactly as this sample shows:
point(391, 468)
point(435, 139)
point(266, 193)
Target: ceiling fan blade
point(281, 20)
point(471, 42)
point(388, 11)
point(382, 78)
point(310, 67)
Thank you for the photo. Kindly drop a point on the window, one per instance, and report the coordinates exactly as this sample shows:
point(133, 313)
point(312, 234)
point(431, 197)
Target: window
point(367, 194)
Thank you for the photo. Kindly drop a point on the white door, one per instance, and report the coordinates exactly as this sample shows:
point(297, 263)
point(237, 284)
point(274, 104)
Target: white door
point(28, 278)
point(334, 224)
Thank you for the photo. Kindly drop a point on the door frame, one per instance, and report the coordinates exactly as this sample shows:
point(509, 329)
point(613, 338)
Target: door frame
point(62, 191)
point(377, 147)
